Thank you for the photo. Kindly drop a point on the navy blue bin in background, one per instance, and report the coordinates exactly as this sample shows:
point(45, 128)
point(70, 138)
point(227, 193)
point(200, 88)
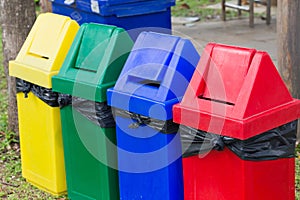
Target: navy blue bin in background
point(133, 15)
point(153, 79)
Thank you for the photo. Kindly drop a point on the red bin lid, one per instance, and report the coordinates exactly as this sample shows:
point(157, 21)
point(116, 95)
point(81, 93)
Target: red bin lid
point(236, 92)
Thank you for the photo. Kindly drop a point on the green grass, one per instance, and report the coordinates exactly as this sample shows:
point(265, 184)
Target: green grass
point(197, 8)
point(3, 92)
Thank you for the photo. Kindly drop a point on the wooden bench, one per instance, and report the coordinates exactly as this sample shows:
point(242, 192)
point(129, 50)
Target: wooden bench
point(249, 8)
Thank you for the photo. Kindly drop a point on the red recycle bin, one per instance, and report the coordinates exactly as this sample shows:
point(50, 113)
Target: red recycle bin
point(238, 128)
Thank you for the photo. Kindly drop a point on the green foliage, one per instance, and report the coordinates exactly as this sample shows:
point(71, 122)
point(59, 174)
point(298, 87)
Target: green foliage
point(3, 92)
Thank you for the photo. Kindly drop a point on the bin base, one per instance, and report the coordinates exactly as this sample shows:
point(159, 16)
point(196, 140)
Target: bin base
point(54, 193)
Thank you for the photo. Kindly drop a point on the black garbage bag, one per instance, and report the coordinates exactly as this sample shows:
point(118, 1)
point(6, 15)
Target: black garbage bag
point(23, 86)
point(64, 100)
point(167, 126)
point(98, 113)
point(45, 94)
point(271, 145)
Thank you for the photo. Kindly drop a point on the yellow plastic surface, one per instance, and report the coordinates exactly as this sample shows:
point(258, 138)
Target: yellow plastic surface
point(41, 144)
point(45, 49)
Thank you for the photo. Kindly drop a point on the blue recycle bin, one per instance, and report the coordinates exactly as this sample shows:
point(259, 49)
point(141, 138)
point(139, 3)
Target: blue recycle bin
point(134, 16)
point(154, 78)
point(67, 8)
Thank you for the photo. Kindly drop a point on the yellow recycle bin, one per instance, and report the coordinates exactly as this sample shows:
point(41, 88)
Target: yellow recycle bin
point(41, 57)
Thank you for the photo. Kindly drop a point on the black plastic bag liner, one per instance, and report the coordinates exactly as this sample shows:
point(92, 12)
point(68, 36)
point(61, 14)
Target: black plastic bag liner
point(45, 94)
point(162, 126)
point(23, 86)
point(98, 113)
point(277, 143)
point(64, 100)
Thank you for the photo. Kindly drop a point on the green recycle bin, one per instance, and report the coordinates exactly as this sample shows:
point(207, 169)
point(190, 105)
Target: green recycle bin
point(92, 65)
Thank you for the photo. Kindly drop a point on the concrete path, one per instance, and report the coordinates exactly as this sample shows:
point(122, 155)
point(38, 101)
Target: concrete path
point(232, 32)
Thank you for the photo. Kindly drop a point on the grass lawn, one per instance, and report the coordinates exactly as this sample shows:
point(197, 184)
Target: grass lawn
point(197, 8)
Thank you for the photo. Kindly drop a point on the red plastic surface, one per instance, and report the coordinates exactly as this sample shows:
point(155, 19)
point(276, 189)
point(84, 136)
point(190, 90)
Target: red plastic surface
point(236, 92)
point(224, 176)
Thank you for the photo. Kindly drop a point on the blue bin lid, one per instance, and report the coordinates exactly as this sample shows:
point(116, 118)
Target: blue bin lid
point(125, 8)
point(119, 2)
point(65, 2)
point(155, 75)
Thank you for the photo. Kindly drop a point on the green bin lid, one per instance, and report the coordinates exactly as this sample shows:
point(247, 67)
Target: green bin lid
point(94, 62)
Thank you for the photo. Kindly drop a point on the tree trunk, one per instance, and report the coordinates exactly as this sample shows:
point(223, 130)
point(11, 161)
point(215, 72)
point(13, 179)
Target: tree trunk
point(46, 6)
point(288, 32)
point(17, 18)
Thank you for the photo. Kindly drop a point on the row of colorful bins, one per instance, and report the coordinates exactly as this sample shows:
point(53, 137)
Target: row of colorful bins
point(134, 16)
point(116, 102)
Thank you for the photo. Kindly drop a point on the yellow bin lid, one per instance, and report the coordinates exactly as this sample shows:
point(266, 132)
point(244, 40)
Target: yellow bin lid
point(45, 49)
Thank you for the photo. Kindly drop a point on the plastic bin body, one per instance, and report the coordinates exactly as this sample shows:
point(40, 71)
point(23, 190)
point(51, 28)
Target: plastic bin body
point(162, 183)
point(40, 57)
point(135, 17)
point(93, 64)
point(153, 79)
point(124, 8)
point(87, 176)
point(68, 10)
point(257, 103)
point(41, 151)
point(237, 178)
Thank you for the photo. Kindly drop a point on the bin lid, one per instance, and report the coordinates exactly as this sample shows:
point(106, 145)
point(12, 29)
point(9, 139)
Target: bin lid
point(120, 2)
point(236, 92)
point(44, 50)
point(94, 61)
point(65, 2)
point(124, 8)
point(155, 75)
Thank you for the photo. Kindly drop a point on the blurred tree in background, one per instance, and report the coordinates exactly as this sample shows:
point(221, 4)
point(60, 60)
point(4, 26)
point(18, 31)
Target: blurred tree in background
point(45, 5)
point(16, 18)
